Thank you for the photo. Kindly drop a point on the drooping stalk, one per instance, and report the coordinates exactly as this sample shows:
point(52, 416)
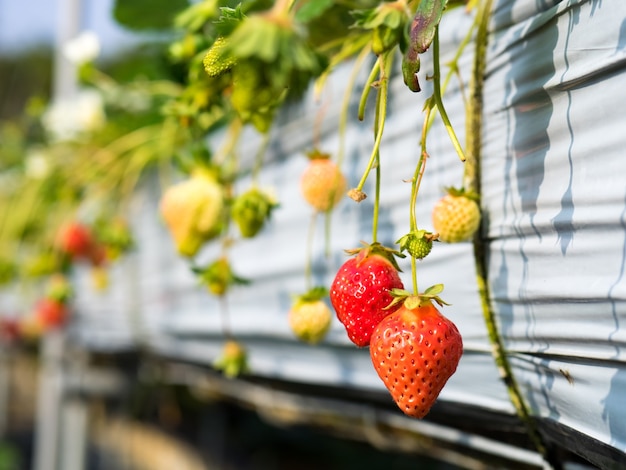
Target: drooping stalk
point(260, 157)
point(308, 266)
point(415, 185)
point(381, 115)
point(439, 100)
point(379, 124)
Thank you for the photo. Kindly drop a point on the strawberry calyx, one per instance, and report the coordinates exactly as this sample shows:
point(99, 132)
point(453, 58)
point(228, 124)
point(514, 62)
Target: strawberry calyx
point(356, 195)
point(205, 171)
point(462, 192)
point(376, 249)
point(411, 301)
point(218, 276)
point(312, 295)
point(317, 154)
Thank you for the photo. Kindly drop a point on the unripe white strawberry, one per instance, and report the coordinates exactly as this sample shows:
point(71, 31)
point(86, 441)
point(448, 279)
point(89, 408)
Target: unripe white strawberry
point(310, 317)
point(192, 210)
point(456, 216)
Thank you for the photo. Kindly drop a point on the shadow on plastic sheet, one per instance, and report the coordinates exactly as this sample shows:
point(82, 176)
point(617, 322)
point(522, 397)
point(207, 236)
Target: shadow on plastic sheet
point(529, 114)
point(617, 389)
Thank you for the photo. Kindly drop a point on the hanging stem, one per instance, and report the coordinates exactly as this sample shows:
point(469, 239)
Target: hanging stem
point(343, 119)
point(366, 89)
point(308, 268)
point(260, 156)
point(472, 181)
point(234, 132)
point(379, 123)
point(225, 317)
point(439, 101)
point(381, 114)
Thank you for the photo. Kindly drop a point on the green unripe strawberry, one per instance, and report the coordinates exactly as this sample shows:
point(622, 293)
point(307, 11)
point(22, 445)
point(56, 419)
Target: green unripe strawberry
point(59, 289)
point(251, 209)
point(418, 243)
point(218, 276)
point(233, 360)
point(456, 216)
point(217, 60)
point(254, 98)
point(310, 317)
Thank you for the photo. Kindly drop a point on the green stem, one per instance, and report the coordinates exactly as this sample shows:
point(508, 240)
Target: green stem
point(260, 156)
point(472, 181)
point(379, 123)
point(345, 107)
point(381, 115)
point(366, 89)
point(234, 133)
point(454, 64)
point(415, 185)
point(376, 206)
point(439, 101)
point(309, 251)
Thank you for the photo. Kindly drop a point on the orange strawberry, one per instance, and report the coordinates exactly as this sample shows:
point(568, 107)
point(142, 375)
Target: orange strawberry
point(456, 216)
point(322, 183)
point(415, 350)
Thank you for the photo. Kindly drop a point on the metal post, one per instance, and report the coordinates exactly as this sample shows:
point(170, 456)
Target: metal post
point(73, 434)
point(65, 84)
point(49, 402)
point(49, 396)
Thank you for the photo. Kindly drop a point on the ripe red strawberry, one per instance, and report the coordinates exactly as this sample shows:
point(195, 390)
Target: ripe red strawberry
point(361, 290)
point(456, 216)
point(322, 183)
point(415, 351)
point(51, 313)
point(310, 317)
point(75, 240)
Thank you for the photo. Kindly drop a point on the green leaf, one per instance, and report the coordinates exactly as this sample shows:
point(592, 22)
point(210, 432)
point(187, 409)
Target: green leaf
point(312, 10)
point(434, 290)
point(147, 14)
